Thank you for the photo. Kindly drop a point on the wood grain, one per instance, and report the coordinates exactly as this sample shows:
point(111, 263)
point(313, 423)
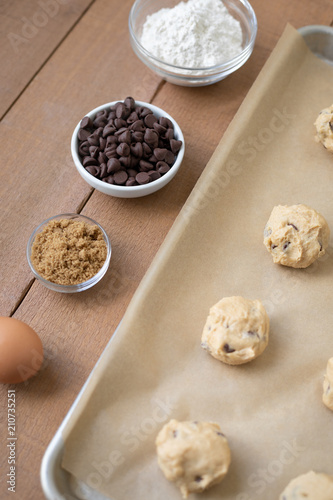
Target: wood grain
point(95, 64)
point(30, 32)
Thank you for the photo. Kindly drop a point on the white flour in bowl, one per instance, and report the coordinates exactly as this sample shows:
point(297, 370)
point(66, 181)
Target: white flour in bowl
point(193, 34)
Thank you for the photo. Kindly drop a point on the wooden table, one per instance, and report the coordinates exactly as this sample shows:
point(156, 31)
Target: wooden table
point(58, 62)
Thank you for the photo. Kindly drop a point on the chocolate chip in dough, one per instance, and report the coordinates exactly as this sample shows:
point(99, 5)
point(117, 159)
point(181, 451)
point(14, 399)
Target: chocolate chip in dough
point(228, 349)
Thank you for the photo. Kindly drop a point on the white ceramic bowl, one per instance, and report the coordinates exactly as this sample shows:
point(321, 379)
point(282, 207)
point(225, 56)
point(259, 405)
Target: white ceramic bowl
point(80, 286)
point(128, 191)
point(192, 77)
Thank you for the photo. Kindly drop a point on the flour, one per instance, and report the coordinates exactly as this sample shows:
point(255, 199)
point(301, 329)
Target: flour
point(193, 34)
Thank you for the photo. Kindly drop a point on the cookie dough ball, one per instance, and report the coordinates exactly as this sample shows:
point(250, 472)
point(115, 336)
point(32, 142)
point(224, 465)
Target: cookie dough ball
point(296, 235)
point(324, 127)
point(328, 386)
point(193, 455)
point(236, 330)
point(312, 486)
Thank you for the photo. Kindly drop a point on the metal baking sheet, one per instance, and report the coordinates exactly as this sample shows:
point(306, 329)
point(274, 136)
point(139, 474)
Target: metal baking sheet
point(57, 484)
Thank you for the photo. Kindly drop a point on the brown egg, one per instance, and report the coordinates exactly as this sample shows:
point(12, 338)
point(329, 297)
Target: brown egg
point(21, 351)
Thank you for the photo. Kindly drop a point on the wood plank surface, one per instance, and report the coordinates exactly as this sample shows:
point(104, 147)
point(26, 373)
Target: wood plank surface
point(95, 64)
point(30, 31)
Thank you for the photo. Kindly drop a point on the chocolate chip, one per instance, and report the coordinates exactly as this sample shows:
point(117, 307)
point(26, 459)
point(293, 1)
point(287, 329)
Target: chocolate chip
point(144, 111)
point(102, 113)
point(293, 225)
point(198, 479)
point(219, 433)
point(100, 121)
point(175, 146)
point(108, 130)
point(160, 129)
point(131, 172)
point(136, 149)
point(102, 143)
point(93, 151)
point(120, 123)
point(228, 349)
point(133, 117)
point(145, 166)
point(99, 131)
point(129, 103)
point(138, 126)
point(102, 158)
point(93, 140)
point(122, 111)
point(113, 165)
point(152, 159)
point(146, 150)
point(111, 139)
point(110, 147)
point(86, 122)
point(169, 134)
point(84, 148)
point(137, 136)
point(151, 137)
point(83, 134)
point(103, 171)
point(108, 179)
point(165, 122)
point(160, 153)
point(123, 149)
point(93, 170)
point(88, 161)
point(149, 120)
point(111, 152)
point(125, 161)
point(169, 157)
point(131, 181)
point(154, 175)
point(162, 167)
point(120, 177)
point(142, 178)
point(286, 245)
point(125, 136)
point(175, 433)
point(120, 131)
point(331, 125)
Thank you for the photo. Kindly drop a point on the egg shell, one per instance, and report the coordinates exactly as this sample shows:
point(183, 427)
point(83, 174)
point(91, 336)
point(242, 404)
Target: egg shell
point(21, 351)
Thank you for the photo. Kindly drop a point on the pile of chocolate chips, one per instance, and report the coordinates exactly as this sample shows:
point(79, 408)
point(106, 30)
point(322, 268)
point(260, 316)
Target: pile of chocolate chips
point(127, 144)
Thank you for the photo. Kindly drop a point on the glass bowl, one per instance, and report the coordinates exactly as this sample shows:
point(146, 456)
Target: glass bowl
point(80, 286)
point(128, 191)
point(193, 77)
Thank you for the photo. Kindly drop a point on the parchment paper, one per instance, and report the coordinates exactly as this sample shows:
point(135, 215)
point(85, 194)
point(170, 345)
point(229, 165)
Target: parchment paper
point(155, 369)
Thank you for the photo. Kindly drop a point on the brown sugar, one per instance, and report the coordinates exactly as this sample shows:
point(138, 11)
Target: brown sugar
point(68, 251)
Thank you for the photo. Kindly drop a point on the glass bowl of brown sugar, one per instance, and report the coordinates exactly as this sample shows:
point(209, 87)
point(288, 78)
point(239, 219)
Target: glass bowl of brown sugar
point(69, 253)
